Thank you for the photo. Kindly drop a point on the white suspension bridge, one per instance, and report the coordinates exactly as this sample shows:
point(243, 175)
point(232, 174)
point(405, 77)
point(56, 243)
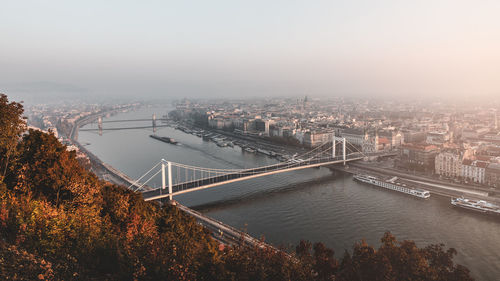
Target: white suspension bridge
point(179, 178)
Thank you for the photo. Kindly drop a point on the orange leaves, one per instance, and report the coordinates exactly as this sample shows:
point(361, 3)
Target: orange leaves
point(18, 264)
point(50, 172)
point(11, 127)
point(136, 227)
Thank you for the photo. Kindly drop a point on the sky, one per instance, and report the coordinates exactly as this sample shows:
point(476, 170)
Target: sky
point(439, 48)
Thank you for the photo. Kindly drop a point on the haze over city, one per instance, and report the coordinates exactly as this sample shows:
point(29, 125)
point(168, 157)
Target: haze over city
point(250, 140)
point(260, 48)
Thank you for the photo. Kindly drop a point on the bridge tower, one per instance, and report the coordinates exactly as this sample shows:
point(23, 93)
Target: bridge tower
point(163, 178)
point(343, 150)
point(154, 122)
point(99, 125)
point(333, 145)
point(496, 120)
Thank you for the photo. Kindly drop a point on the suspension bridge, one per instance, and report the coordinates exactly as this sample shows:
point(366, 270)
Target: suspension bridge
point(179, 178)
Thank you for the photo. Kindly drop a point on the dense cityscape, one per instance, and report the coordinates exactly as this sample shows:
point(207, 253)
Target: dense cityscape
point(461, 144)
point(457, 144)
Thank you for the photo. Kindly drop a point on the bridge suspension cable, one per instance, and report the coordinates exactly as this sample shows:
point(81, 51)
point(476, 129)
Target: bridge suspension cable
point(140, 178)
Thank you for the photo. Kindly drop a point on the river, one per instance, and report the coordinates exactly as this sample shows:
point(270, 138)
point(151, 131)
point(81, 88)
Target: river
point(311, 204)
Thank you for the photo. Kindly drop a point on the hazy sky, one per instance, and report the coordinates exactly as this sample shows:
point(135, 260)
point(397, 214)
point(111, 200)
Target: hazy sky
point(257, 48)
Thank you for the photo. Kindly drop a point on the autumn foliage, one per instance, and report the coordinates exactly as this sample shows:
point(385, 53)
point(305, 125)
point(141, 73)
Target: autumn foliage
point(58, 221)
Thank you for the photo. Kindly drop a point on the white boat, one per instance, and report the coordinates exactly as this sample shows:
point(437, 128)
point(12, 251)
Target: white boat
point(392, 184)
point(476, 205)
point(263, 151)
point(221, 143)
point(249, 150)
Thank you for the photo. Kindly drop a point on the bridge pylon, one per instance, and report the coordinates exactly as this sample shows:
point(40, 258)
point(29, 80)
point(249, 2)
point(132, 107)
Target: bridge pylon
point(343, 151)
point(168, 165)
point(344, 148)
point(99, 125)
point(333, 145)
point(154, 122)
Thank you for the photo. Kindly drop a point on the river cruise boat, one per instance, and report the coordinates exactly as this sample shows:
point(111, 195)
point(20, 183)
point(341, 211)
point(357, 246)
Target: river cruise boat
point(393, 184)
point(476, 205)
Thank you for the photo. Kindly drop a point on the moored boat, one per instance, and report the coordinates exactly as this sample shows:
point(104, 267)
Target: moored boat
point(393, 184)
point(249, 150)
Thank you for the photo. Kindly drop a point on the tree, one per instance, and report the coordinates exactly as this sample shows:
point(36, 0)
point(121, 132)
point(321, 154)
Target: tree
point(46, 169)
point(400, 261)
point(12, 125)
point(325, 263)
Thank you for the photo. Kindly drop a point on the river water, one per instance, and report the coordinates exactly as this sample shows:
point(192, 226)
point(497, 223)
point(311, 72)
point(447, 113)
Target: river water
point(311, 204)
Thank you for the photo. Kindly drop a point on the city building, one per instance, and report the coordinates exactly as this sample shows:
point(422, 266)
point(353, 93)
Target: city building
point(371, 143)
point(492, 175)
point(474, 170)
point(418, 157)
point(394, 138)
point(353, 136)
point(474, 133)
point(437, 138)
point(410, 136)
point(361, 138)
point(448, 163)
point(316, 138)
point(262, 125)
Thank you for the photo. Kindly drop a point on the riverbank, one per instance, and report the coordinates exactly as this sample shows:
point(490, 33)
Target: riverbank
point(249, 141)
point(226, 234)
point(98, 167)
point(437, 187)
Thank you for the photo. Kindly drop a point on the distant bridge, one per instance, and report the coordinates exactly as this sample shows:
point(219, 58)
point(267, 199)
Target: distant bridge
point(181, 178)
point(100, 123)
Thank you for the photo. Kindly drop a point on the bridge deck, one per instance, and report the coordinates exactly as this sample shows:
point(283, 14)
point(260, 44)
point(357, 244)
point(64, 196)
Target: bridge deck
point(194, 185)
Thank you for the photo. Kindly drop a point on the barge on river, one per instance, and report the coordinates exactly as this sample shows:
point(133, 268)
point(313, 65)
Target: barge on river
point(164, 139)
point(393, 184)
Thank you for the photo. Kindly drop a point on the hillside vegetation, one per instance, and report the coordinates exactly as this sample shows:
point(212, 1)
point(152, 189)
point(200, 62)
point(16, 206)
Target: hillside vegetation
point(58, 221)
